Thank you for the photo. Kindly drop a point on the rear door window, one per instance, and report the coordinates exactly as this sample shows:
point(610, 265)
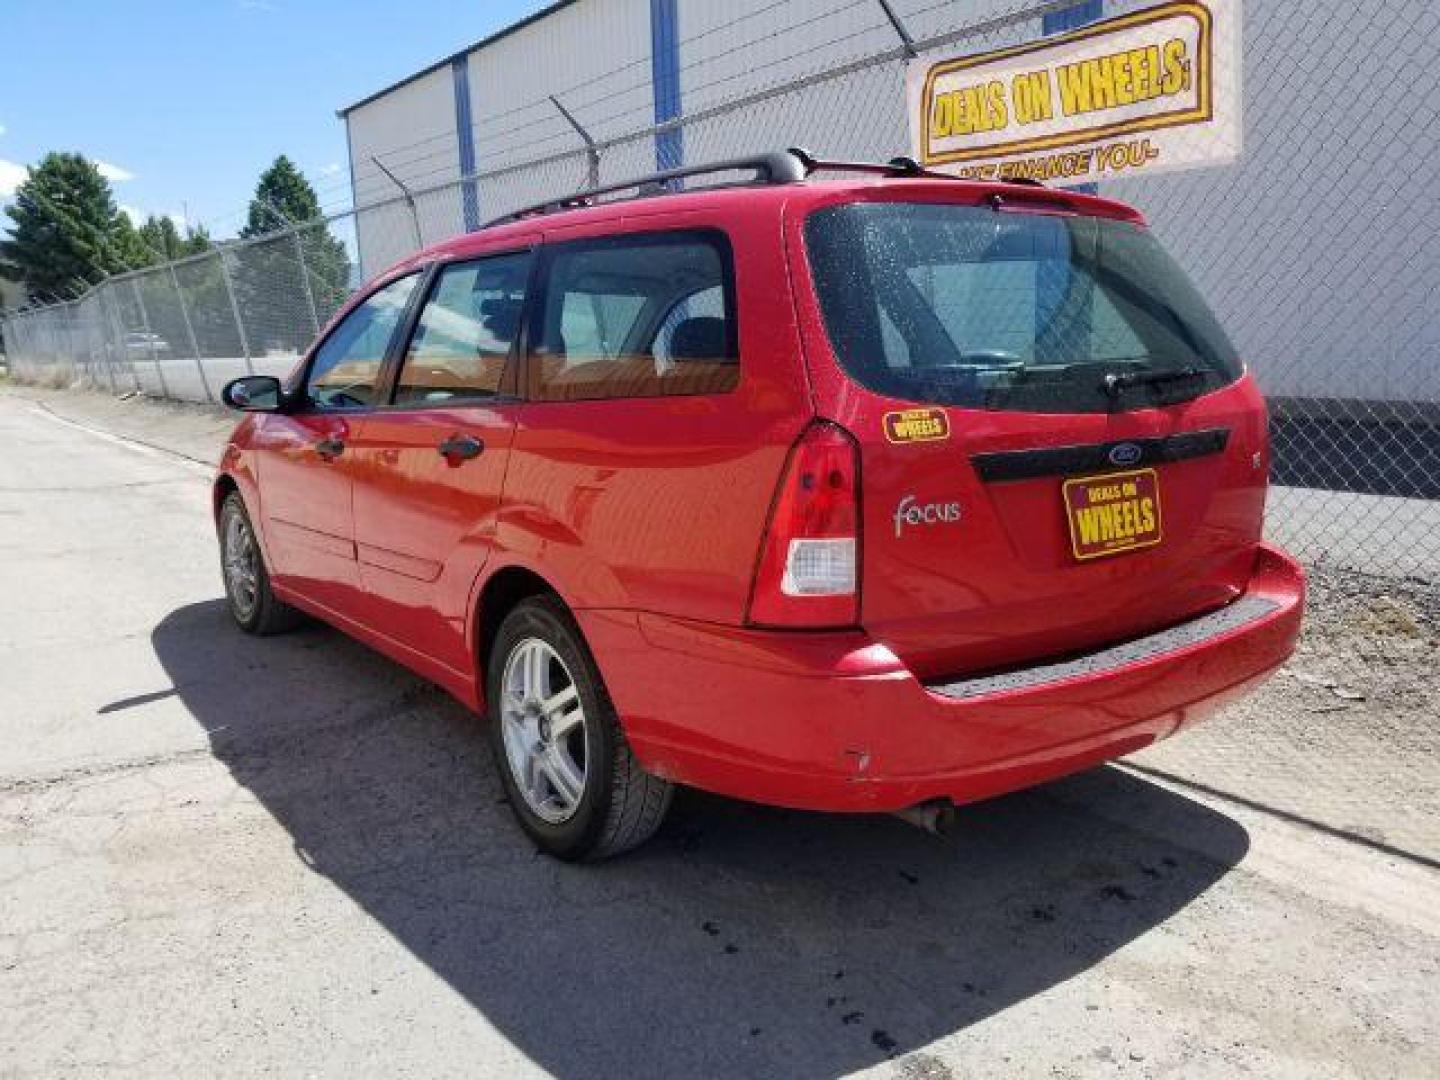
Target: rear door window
point(976, 307)
point(463, 339)
point(648, 315)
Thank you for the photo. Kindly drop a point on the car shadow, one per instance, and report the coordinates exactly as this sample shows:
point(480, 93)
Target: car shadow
point(742, 941)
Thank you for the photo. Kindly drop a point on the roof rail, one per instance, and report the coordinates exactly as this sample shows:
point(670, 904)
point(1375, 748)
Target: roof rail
point(774, 168)
point(794, 164)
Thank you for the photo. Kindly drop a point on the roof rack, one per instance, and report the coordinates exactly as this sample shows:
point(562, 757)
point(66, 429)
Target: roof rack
point(896, 167)
point(774, 168)
point(791, 166)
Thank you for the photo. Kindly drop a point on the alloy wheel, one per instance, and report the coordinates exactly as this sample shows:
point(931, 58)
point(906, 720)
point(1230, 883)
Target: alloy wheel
point(242, 566)
point(544, 730)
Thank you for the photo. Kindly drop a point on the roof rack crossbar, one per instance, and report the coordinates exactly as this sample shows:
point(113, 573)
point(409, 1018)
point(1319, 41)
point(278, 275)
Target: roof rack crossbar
point(773, 168)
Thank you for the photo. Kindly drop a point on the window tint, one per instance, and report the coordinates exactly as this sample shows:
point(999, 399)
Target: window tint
point(964, 305)
point(463, 339)
point(346, 368)
point(641, 316)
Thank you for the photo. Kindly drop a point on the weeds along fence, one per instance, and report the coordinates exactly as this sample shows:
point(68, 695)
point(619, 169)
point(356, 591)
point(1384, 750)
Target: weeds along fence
point(1320, 248)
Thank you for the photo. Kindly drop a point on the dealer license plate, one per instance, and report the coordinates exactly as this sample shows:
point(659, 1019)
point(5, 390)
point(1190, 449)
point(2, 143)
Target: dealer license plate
point(1114, 513)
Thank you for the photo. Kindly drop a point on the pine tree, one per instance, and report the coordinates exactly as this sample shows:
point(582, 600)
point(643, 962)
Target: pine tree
point(162, 238)
point(283, 197)
point(130, 247)
point(65, 229)
point(274, 290)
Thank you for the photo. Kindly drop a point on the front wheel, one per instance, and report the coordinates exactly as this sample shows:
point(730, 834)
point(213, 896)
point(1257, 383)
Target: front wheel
point(570, 776)
point(253, 603)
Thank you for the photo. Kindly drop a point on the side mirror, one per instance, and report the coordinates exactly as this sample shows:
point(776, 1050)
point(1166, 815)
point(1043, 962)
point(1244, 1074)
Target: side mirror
point(253, 393)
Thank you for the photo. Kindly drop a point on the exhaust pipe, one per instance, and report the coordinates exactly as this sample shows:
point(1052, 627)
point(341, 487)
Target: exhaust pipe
point(936, 817)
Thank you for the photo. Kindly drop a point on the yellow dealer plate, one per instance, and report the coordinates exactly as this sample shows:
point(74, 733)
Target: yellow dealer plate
point(1114, 513)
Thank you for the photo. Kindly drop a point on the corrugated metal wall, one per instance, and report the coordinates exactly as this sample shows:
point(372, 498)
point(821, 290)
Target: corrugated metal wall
point(412, 131)
point(1351, 323)
point(1320, 248)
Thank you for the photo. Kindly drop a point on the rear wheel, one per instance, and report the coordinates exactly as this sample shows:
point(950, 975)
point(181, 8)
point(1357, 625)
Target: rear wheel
point(573, 783)
point(247, 583)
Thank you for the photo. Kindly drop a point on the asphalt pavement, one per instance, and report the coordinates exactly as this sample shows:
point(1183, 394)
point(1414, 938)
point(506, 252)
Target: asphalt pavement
point(228, 856)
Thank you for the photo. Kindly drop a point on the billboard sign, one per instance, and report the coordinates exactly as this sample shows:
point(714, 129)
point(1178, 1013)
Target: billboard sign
point(1147, 91)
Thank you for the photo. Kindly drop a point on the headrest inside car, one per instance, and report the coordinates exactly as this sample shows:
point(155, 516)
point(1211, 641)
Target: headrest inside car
point(701, 337)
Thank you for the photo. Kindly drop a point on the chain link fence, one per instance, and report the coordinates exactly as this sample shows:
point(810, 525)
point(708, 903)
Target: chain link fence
point(1320, 249)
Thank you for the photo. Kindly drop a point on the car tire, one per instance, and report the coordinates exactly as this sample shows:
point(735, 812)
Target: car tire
point(251, 600)
point(576, 788)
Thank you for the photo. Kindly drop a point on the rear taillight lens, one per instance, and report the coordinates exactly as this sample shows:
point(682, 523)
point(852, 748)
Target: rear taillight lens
point(810, 557)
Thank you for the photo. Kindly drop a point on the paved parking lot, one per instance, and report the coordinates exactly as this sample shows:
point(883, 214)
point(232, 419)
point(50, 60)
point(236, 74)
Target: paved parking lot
point(221, 855)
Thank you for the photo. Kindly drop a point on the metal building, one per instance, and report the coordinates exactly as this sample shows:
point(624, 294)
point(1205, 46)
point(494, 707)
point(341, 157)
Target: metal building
point(1320, 247)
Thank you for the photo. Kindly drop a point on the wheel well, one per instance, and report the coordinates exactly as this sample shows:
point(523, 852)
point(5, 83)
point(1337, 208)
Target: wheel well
point(224, 485)
point(498, 598)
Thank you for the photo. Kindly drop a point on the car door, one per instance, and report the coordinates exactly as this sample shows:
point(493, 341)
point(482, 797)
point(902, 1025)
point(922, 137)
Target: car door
point(306, 471)
point(430, 465)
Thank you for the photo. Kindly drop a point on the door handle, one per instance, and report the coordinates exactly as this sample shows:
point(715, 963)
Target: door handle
point(330, 449)
point(460, 448)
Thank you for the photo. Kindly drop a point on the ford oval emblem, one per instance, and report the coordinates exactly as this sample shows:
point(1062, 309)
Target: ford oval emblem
point(1125, 453)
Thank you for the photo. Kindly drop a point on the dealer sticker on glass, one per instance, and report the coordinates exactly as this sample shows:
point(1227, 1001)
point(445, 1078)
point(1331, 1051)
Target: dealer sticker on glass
point(1112, 514)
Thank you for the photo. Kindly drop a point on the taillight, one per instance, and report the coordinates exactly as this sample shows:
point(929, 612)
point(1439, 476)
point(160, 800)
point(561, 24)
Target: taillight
point(810, 557)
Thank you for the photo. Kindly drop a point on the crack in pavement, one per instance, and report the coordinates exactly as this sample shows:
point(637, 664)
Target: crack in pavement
point(28, 784)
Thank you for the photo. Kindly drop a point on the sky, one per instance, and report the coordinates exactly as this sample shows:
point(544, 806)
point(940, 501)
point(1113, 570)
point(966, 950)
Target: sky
point(183, 104)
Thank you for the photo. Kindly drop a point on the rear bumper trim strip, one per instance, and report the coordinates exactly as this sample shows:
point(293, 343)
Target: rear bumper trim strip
point(1241, 613)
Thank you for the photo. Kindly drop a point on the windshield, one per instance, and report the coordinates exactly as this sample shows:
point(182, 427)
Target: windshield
point(994, 309)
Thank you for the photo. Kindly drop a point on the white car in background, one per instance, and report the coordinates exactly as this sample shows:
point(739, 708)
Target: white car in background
point(139, 341)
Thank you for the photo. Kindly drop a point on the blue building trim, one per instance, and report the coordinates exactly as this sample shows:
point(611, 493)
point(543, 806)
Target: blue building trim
point(1072, 18)
point(665, 79)
point(465, 137)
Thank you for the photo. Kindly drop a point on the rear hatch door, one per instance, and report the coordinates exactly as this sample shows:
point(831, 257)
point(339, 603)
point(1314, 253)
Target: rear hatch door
point(1059, 450)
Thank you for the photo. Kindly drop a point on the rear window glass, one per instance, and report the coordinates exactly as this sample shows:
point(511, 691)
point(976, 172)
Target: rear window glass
point(648, 315)
point(995, 309)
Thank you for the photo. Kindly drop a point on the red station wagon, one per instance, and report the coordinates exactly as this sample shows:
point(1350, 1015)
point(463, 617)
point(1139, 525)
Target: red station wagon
point(884, 493)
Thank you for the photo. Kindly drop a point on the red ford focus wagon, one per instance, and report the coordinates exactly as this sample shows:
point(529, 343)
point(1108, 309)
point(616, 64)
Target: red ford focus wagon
point(882, 492)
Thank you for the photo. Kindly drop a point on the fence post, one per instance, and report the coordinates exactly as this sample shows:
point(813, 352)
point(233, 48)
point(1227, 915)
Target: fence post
point(122, 351)
point(300, 257)
point(126, 362)
point(99, 352)
point(409, 201)
point(906, 41)
point(235, 310)
point(190, 331)
point(592, 152)
point(111, 318)
point(150, 336)
point(305, 280)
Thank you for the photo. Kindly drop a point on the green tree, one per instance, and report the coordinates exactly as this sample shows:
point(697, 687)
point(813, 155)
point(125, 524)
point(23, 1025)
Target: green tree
point(64, 228)
point(283, 197)
point(130, 246)
point(161, 237)
point(300, 263)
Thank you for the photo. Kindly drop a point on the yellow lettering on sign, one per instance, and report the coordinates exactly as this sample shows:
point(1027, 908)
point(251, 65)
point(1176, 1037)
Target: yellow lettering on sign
point(1122, 520)
point(969, 110)
point(1123, 78)
point(1147, 515)
point(1031, 93)
point(1177, 68)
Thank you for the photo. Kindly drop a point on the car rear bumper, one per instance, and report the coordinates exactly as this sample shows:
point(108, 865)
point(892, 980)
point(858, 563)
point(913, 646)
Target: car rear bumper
point(835, 721)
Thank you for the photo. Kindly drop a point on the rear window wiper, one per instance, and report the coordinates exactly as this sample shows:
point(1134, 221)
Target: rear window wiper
point(1116, 382)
